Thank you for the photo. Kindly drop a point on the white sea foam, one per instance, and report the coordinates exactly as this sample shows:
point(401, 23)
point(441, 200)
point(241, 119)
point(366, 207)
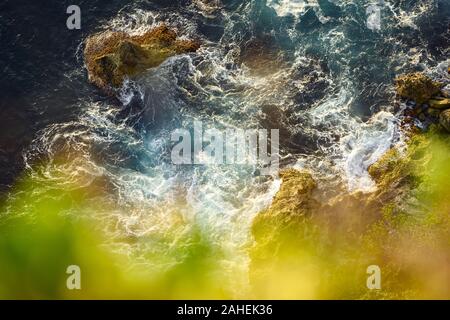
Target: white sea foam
point(291, 7)
point(364, 146)
point(361, 143)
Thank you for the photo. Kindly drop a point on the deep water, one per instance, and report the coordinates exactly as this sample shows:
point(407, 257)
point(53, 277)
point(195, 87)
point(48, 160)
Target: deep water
point(317, 72)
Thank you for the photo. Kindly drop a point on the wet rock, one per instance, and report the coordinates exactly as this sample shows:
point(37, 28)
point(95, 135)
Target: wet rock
point(395, 173)
point(110, 56)
point(294, 197)
point(417, 87)
point(209, 8)
point(439, 103)
point(444, 119)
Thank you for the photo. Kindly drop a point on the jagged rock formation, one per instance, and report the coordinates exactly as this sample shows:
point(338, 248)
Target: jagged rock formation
point(112, 56)
point(417, 87)
point(431, 97)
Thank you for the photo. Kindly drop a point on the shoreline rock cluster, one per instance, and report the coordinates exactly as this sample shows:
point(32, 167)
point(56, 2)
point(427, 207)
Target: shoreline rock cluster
point(432, 98)
point(111, 56)
point(299, 236)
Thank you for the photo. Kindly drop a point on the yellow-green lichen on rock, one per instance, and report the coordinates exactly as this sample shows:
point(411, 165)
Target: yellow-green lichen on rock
point(111, 56)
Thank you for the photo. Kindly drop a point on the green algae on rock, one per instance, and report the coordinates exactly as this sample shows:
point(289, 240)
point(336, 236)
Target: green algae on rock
point(417, 87)
point(110, 56)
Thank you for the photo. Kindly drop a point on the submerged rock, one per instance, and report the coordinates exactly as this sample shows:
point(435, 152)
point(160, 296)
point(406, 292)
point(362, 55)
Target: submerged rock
point(444, 119)
point(110, 56)
point(417, 87)
point(263, 57)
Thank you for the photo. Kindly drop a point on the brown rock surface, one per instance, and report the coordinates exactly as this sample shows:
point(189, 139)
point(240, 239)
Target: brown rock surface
point(417, 87)
point(111, 56)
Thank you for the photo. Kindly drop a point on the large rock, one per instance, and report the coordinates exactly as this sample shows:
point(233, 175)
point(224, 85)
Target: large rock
point(110, 56)
point(417, 87)
point(280, 229)
point(308, 245)
point(294, 197)
point(444, 119)
point(292, 205)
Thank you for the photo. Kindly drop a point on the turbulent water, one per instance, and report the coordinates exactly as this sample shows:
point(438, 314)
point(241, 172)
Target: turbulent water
point(316, 70)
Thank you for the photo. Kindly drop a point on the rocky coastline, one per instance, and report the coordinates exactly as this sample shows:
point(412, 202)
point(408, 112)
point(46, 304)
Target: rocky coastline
point(385, 227)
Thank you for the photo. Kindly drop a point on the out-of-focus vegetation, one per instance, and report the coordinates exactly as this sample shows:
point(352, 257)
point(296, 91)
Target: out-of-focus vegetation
point(303, 248)
point(43, 230)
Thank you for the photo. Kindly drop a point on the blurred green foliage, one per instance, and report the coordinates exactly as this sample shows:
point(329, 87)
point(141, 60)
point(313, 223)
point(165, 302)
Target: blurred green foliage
point(315, 255)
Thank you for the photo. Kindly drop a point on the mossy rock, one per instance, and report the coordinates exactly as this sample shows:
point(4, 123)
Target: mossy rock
point(417, 87)
point(110, 56)
point(294, 196)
